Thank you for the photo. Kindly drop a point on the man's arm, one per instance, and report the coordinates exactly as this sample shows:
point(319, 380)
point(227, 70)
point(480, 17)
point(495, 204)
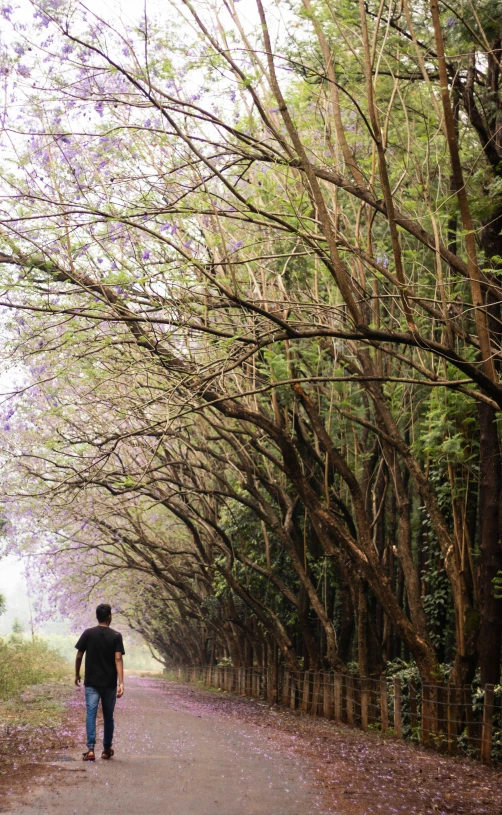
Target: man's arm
point(78, 663)
point(119, 662)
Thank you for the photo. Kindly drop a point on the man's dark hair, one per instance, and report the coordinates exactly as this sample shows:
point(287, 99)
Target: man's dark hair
point(103, 612)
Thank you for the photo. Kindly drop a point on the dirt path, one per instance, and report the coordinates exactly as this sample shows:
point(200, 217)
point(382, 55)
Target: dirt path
point(176, 755)
point(186, 751)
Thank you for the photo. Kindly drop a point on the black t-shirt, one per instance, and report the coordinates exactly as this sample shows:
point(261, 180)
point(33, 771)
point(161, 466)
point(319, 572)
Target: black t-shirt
point(100, 645)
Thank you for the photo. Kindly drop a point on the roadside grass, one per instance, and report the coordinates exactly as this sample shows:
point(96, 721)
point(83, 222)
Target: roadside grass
point(28, 662)
point(35, 688)
point(37, 709)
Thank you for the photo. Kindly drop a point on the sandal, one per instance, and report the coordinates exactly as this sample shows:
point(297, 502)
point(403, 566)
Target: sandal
point(89, 755)
point(107, 753)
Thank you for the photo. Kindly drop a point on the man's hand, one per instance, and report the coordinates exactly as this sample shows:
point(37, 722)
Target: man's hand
point(119, 662)
point(78, 663)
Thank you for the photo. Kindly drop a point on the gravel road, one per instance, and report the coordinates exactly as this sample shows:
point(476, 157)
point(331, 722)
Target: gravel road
point(175, 755)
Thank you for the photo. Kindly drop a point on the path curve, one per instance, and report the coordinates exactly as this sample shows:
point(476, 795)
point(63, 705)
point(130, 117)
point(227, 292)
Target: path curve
point(179, 757)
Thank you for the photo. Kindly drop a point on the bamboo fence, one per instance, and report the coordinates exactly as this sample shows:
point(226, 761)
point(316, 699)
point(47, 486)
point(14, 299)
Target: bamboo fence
point(438, 716)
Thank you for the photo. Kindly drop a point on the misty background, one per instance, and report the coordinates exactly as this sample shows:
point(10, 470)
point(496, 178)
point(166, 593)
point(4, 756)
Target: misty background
point(57, 633)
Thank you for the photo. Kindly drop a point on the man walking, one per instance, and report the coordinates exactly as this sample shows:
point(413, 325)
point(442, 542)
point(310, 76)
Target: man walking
point(103, 649)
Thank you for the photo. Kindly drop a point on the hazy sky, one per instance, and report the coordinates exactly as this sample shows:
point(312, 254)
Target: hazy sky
point(13, 588)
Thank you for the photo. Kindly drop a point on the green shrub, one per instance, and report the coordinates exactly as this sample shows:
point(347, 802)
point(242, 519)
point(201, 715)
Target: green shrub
point(27, 662)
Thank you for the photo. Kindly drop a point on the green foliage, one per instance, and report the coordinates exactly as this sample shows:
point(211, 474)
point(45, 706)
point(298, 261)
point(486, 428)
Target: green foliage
point(17, 628)
point(409, 675)
point(497, 585)
point(437, 601)
point(24, 663)
point(2, 604)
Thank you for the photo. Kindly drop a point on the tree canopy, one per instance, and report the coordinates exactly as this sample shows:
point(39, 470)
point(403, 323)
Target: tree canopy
point(251, 275)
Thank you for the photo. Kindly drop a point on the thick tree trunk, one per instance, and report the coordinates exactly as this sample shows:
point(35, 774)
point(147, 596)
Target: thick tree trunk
point(307, 634)
point(346, 622)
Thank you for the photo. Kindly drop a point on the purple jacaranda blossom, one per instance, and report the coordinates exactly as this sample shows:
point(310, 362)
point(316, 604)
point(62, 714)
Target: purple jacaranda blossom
point(23, 70)
point(146, 254)
point(38, 15)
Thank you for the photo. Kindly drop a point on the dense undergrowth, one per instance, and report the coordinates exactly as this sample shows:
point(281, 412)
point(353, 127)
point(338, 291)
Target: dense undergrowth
point(28, 662)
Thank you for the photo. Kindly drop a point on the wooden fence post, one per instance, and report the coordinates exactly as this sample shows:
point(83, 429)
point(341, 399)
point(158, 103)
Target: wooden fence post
point(350, 699)
point(328, 695)
point(442, 699)
point(274, 676)
point(412, 693)
point(337, 684)
point(430, 714)
point(316, 694)
point(364, 703)
point(426, 714)
point(452, 720)
point(306, 692)
point(384, 704)
point(398, 721)
point(286, 689)
point(293, 690)
point(487, 728)
point(471, 725)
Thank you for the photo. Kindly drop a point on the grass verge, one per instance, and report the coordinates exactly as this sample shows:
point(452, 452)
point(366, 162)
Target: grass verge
point(28, 662)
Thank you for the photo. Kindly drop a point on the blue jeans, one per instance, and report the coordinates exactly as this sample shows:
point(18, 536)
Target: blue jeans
point(108, 698)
